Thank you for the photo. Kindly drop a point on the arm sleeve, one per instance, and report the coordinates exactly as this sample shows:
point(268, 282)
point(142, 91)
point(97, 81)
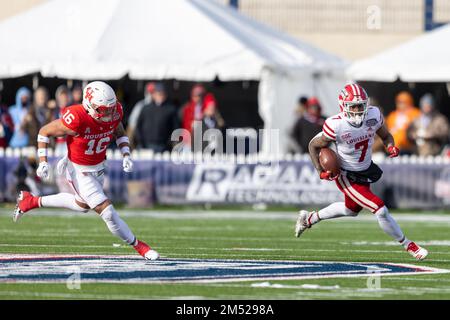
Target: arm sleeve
point(329, 129)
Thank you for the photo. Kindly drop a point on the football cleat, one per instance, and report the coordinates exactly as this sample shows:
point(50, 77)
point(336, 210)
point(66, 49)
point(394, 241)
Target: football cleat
point(144, 250)
point(417, 251)
point(25, 202)
point(302, 223)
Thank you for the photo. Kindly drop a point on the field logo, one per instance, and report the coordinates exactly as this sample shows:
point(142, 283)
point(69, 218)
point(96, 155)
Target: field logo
point(132, 269)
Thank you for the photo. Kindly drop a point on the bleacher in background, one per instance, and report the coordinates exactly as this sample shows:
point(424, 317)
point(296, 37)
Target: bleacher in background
point(347, 27)
point(300, 16)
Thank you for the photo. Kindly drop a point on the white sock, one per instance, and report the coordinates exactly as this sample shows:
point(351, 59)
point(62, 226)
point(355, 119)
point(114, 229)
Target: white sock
point(390, 226)
point(61, 200)
point(117, 226)
point(334, 210)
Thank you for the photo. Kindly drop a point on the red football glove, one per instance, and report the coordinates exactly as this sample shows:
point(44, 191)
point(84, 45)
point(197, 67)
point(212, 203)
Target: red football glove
point(393, 151)
point(327, 175)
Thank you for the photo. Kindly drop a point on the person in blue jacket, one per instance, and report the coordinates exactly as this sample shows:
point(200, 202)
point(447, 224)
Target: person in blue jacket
point(18, 112)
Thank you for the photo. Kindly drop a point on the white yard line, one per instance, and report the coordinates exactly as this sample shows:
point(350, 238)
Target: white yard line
point(335, 291)
point(64, 295)
point(445, 243)
point(223, 214)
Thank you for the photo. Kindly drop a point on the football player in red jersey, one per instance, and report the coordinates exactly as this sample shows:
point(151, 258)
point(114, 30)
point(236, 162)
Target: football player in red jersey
point(352, 132)
point(90, 127)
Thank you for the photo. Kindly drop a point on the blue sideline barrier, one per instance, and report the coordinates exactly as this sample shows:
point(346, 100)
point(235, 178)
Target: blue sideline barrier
point(421, 184)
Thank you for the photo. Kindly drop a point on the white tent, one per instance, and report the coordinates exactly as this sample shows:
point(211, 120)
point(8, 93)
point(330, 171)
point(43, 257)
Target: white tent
point(423, 59)
point(194, 40)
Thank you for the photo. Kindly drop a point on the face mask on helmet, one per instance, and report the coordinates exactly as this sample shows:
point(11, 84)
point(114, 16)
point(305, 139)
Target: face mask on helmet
point(104, 113)
point(355, 112)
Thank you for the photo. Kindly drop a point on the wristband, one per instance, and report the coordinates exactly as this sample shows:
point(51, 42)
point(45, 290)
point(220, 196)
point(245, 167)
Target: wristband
point(42, 152)
point(125, 149)
point(43, 139)
point(123, 139)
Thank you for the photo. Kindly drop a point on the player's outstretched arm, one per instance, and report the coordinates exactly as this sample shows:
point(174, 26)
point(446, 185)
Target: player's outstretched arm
point(317, 143)
point(388, 141)
point(123, 143)
point(53, 129)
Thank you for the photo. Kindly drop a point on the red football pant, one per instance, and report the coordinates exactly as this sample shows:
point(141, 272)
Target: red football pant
point(358, 196)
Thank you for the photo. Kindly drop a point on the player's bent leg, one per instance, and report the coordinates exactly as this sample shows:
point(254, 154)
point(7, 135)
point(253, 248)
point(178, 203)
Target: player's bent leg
point(120, 229)
point(26, 202)
point(307, 219)
point(336, 210)
point(390, 227)
point(63, 200)
point(388, 224)
point(114, 223)
point(363, 196)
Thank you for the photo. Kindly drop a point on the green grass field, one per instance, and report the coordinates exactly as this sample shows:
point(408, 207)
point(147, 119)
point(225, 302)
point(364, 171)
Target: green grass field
point(233, 235)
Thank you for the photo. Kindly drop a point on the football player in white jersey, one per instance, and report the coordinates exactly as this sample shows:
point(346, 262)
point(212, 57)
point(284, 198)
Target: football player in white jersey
point(353, 131)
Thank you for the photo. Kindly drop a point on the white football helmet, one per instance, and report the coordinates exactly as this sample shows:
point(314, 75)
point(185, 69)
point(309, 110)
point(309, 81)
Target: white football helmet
point(100, 101)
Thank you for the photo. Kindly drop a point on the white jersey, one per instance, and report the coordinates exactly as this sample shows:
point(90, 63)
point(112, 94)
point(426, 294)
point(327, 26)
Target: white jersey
point(354, 144)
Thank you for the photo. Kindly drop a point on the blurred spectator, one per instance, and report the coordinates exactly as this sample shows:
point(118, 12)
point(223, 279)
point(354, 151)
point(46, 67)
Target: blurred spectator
point(430, 131)
point(18, 113)
point(77, 94)
point(156, 122)
point(308, 125)
point(134, 116)
point(38, 115)
point(211, 120)
point(400, 119)
point(52, 106)
point(6, 126)
point(194, 108)
point(301, 105)
point(63, 99)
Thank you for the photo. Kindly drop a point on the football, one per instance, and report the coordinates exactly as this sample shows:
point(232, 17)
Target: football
point(329, 161)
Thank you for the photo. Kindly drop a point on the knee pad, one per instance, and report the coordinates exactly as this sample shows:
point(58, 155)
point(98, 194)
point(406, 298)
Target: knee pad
point(382, 212)
point(108, 214)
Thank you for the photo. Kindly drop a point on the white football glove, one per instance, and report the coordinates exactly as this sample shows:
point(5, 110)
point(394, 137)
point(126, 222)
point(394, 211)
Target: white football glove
point(43, 171)
point(61, 166)
point(127, 164)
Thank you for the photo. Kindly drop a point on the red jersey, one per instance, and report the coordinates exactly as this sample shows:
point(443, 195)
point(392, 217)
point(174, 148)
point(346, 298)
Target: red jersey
point(88, 147)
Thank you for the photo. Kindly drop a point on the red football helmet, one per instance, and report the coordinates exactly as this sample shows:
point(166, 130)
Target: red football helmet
point(353, 102)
